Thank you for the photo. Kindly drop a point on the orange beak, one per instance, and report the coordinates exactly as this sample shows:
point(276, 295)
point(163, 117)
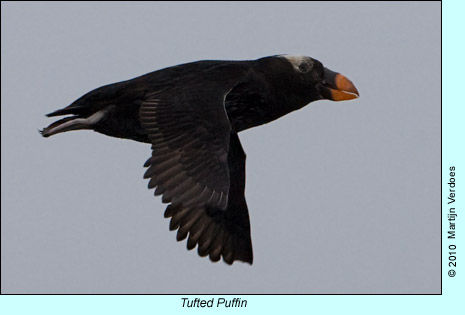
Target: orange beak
point(337, 87)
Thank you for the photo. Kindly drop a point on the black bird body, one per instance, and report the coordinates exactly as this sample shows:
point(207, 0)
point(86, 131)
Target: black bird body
point(191, 115)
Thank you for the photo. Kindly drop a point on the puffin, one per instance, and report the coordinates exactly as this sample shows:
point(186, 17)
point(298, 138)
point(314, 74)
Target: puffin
point(191, 115)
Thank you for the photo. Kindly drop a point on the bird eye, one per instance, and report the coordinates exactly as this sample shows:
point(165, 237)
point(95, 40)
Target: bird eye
point(303, 67)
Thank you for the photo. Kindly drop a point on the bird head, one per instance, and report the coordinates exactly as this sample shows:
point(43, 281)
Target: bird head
point(319, 82)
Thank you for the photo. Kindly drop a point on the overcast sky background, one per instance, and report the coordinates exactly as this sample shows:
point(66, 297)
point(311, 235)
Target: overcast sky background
point(344, 197)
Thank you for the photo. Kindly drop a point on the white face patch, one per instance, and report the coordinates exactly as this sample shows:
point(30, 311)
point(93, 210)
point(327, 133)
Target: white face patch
point(296, 61)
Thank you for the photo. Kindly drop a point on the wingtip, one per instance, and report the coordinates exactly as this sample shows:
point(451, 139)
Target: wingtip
point(247, 260)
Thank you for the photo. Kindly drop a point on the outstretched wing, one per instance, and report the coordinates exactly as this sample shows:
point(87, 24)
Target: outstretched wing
point(189, 131)
point(219, 233)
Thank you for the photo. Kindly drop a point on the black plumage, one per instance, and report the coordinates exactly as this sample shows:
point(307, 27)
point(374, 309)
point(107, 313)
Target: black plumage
point(191, 115)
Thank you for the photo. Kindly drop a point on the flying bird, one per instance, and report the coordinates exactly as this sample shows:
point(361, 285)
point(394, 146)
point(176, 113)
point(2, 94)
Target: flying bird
point(191, 115)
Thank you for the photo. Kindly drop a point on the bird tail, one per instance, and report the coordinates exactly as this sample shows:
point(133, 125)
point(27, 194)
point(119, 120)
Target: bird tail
point(75, 122)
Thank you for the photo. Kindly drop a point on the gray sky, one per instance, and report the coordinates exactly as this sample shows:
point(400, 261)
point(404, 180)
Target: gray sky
point(344, 197)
